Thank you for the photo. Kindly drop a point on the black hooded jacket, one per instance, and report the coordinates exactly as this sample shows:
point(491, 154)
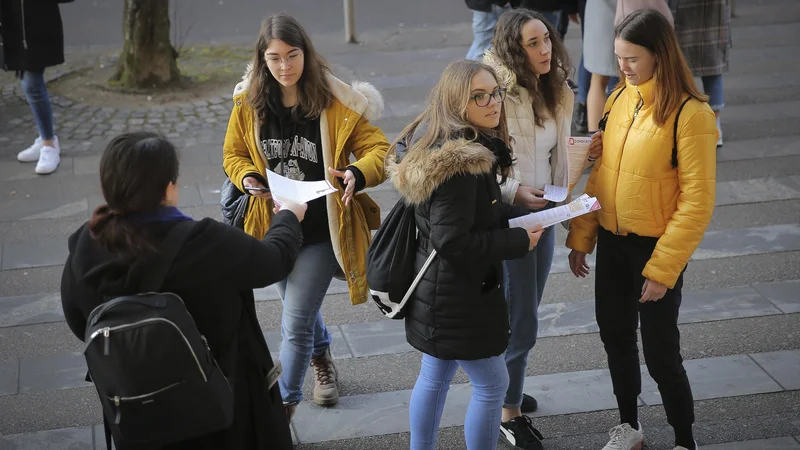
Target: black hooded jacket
point(215, 273)
point(458, 311)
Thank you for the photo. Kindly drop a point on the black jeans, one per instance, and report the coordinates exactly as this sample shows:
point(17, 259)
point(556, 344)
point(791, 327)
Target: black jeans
point(618, 287)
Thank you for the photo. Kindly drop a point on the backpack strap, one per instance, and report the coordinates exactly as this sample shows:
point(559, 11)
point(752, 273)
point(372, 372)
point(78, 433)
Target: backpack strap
point(602, 124)
point(675, 135)
point(163, 261)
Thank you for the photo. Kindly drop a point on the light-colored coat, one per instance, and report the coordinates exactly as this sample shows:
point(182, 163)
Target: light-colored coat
point(522, 127)
point(345, 130)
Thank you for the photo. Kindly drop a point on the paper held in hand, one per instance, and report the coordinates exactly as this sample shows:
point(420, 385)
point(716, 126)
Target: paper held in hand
point(543, 219)
point(578, 153)
point(297, 191)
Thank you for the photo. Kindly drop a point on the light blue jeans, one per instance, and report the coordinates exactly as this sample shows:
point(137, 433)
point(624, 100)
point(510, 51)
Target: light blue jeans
point(302, 329)
point(36, 92)
point(489, 380)
point(524, 284)
point(483, 24)
point(712, 87)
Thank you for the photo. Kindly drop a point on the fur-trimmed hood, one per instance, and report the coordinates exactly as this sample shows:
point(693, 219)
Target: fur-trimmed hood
point(420, 171)
point(360, 96)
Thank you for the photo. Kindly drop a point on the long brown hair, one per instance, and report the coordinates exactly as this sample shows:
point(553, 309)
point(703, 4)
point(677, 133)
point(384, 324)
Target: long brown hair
point(313, 90)
point(547, 90)
point(445, 116)
point(135, 170)
point(648, 28)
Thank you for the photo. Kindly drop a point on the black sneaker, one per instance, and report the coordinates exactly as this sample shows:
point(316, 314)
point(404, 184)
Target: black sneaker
point(529, 404)
point(520, 433)
point(581, 118)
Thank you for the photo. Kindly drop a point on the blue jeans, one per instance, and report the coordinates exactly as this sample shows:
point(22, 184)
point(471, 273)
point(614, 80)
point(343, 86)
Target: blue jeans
point(524, 284)
point(483, 24)
point(489, 379)
point(36, 92)
point(712, 86)
point(552, 17)
point(584, 80)
point(302, 328)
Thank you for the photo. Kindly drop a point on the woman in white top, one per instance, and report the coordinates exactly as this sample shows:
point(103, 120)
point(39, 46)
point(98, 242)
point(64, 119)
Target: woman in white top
point(533, 65)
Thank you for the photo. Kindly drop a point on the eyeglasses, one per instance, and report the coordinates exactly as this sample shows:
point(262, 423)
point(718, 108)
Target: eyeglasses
point(290, 59)
point(482, 100)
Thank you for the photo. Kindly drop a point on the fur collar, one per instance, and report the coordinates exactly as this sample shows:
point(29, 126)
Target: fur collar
point(422, 170)
point(361, 97)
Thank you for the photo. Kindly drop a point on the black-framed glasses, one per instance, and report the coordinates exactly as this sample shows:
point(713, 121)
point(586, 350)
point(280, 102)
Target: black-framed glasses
point(482, 100)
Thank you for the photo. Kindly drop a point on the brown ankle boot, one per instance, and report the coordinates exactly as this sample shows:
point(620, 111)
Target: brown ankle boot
point(326, 391)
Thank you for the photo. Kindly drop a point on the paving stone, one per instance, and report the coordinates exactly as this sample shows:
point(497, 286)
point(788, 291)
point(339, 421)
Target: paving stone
point(749, 241)
point(783, 366)
point(784, 443)
point(785, 295)
point(726, 376)
point(376, 338)
point(36, 254)
point(561, 319)
point(50, 373)
point(757, 190)
point(61, 439)
point(9, 377)
point(30, 309)
point(189, 196)
point(724, 304)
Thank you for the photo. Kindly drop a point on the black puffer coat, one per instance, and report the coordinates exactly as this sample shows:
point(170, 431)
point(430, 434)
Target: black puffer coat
point(32, 34)
point(458, 310)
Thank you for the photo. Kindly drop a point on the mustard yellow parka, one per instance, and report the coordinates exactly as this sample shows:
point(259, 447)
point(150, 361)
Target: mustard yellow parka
point(638, 189)
point(345, 130)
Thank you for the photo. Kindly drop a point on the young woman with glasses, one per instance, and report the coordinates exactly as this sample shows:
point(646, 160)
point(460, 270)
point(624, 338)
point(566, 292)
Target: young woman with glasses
point(447, 165)
point(293, 117)
point(533, 64)
point(655, 182)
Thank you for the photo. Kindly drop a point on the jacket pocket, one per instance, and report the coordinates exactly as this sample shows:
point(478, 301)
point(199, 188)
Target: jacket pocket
point(657, 204)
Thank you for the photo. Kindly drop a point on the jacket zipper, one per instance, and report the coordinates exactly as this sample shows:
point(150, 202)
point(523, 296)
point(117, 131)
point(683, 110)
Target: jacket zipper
point(639, 106)
point(24, 35)
point(107, 334)
point(117, 399)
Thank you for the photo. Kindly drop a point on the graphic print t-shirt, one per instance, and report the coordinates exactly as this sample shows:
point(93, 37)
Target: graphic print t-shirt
point(294, 149)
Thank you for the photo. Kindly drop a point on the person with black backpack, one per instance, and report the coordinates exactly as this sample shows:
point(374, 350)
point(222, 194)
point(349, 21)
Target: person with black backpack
point(656, 182)
point(447, 164)
point(166, 309)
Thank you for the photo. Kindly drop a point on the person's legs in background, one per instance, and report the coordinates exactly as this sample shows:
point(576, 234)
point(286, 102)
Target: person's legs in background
point(483, 24)
point(595, 101)
point(712, 86)
point(45, 150)
point(584, 80)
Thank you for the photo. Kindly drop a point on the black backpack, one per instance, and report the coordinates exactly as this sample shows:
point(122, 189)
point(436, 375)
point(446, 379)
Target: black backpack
point(390, 261)
point(157, 380)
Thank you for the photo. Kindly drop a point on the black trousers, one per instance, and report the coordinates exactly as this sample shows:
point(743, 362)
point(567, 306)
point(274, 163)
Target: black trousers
point(618, 288)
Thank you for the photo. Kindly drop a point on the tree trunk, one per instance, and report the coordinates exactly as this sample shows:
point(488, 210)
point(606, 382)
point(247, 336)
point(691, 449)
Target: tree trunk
point(148, 58)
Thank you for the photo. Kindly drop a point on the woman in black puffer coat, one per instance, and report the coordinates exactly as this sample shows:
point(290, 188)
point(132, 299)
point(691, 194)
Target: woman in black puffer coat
point(450, 158)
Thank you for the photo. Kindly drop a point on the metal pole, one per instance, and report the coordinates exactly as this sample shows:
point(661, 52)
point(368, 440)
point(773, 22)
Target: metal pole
point(350, 22)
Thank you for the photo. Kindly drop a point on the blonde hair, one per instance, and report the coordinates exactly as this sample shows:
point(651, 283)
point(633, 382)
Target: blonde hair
point(445, 116)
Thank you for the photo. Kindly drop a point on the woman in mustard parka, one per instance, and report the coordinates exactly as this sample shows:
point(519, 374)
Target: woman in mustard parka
point(657, 199)
point(293, 117)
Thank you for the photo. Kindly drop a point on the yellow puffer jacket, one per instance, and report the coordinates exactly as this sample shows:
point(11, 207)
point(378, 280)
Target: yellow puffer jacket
point(639, 190)
point(345, 130)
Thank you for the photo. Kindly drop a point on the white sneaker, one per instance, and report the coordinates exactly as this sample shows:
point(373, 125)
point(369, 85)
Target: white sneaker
point(49, 158)
point(31, 154)
point(623, 437)
point(719, 129)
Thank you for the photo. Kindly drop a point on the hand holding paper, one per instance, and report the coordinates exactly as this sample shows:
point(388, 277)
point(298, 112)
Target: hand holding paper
point(297, 191)
point(555, 193)
point(543, 219)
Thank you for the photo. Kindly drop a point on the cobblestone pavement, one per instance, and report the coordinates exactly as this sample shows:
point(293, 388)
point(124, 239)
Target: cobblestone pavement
point(740, 317)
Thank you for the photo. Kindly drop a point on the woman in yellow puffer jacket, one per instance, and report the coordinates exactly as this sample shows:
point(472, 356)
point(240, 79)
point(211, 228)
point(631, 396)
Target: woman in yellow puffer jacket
point(657, 199)
point(293, 117)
